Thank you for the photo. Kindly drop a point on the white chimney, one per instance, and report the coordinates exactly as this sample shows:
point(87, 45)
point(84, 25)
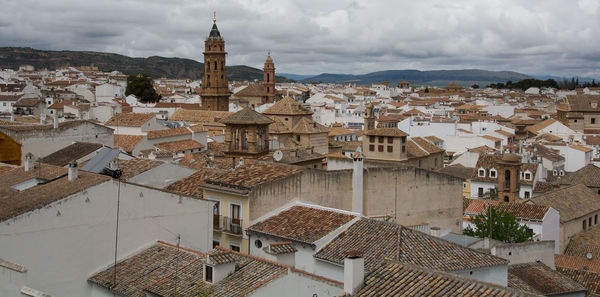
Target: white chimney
point(12, 116)
point(55, 122)
point(73, 171)
point(28, 166)
point(434, 231)
point(357, 181)
point(354, 272)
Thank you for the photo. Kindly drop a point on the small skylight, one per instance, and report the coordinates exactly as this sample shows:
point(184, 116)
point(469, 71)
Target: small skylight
point(30, 183)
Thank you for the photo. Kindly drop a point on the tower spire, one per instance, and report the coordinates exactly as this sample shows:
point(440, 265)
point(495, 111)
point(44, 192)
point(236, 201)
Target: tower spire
point(214, 17)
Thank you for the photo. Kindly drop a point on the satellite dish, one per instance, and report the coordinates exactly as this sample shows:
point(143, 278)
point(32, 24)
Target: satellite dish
point(589, 256)
point(277, 155)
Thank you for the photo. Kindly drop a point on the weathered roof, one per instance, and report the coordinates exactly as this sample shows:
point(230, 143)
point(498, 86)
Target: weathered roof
point(394, 132)
point(136, 166)
point(378, 240)
point(252, 90)
point(588, 175)
point(541, 125)
point(129, 119)
point(190, 186)
point(572, 202)
point(519, 210)
point(279, 248)
point(577, 262)
point(70, 153)
point(457, 170)
point(538, 278)
point(302, 223)
point(252, 175)
point(54, 186)
point(583, 102)
point(199, 116)
point(391, 278)
point(420, 147)
point(168, 132)
point(287, 106)
point(336, 131)
point(585, 242)
point(588, 279)
point(179, 145)
point(28, 102)
point(126, 142)
point(246, 116)
point(306, 125)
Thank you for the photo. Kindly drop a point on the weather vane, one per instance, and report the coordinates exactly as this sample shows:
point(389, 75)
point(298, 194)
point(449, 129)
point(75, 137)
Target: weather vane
point(214, 17)
point(269, 52)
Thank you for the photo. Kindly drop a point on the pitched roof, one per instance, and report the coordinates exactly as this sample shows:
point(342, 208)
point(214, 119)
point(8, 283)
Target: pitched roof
point(287, 106)
point(538, 278)
point(53, 185)
point(589, 175)
point(378, 240)
point(457, 170)
point(70, 153)
point(392, 278)
point(190, 186)
point(252, 90)
point(251, 175)
point(28, 102)
point(583, 102)
point(279, 248)
point(588, 279)
point(199, 116)
point(168, 132)
point(423, 145)
point(126, 142)
point(585, 242)
point(576, 262)
point(129, 119)
point(302, 223)
point(306, 125)
point(136, 166)
point(394, 132)
point(572, 202)
point(519, 210)
point(179, 145)
point(541, 125)
point(246, 116)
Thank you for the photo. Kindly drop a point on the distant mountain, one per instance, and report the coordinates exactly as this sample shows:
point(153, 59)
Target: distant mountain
point(561, 78)
point(156, 67)
point(466, 77)
point(295, 76)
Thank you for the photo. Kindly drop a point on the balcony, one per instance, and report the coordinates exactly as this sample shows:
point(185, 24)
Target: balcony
point(217, 222)
point(231, 225)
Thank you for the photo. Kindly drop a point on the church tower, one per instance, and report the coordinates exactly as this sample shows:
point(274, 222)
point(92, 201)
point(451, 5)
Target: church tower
point(369, 118)
point(509, 178)
point(215, 89)
point(269, 77)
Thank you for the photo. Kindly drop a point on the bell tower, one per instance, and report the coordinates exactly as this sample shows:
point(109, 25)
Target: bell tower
point(369, 118)
point(215, 88)
point(269, 79)
point(509, 178)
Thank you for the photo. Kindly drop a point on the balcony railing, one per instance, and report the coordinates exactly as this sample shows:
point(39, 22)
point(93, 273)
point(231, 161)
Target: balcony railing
point(232, 225)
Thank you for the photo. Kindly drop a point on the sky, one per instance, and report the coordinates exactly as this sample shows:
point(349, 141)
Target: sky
point(549, 37)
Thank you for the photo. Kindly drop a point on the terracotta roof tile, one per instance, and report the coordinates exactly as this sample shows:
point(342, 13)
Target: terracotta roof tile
point(246, 116)
point(168, 132)
point(378, 240)
point(251, 175)
point(136, 166)
point(287, 106)
point(190, 186)
point(280, 248)
point(199, 116)
point(538, 278)
point(588, 279)
point(572, 202)
point(301, 223)
point(70, 153)
point(519, 210)
point(585, 242)
point(129, 119)
point(394, 132)
point(179, 145)
point(392, 278)
point(126, 142)
point(589, 175)
point(576, 262)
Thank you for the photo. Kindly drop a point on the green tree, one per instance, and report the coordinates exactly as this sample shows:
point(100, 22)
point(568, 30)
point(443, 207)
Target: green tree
point(475, 86)
point(499, 225)
point(141, 86)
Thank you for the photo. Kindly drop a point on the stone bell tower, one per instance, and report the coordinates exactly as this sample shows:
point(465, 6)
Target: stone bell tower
point(369, 118)
point(269, 79)
point(215, 88)
point(509, 178)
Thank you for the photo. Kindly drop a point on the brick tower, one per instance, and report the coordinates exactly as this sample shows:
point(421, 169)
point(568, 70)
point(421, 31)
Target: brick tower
point(269, 74)
point(509, 178)
point(215, 89)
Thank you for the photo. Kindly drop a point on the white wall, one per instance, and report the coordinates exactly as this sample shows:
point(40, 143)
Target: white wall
point(494, 274)
point(298, 284)
point(551, 228)
point(64, 243)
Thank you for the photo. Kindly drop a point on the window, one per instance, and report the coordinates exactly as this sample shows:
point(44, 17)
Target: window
point(526, 194)
point(527, 176)
point(390, 149)
point(381, 139)
point(298, 138)
point(380, 148)
point(595, 219)
point(371, 148)
point(480, 192)
point(481, 173)
point(493, 173)
point(590, 221)
point(258, 243)
point(583, 224)
point(530, 232)
point(208, 274)
point(235, 248)
point(593, 120)
point(464, 185)
point(506, 199)
point(404, 148)
point(286, 119)
point(371, 138)
point(575, 121)
point(390, 139)
point(216, 243)
point(236, 215)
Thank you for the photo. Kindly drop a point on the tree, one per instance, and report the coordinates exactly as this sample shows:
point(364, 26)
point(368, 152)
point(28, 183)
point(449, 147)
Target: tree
point(475, 86)
point(141, 86)
point(499, 225)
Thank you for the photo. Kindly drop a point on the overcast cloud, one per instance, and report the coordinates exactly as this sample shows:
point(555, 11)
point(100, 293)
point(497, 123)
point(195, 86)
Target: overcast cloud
point(554, 37)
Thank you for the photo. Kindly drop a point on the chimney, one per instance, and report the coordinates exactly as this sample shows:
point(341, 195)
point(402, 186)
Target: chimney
point(357, 181)
point(434, 231)
point(28, 166)
point(12, 116)
point(354, 272)
point(55, 122)
point(73, 171)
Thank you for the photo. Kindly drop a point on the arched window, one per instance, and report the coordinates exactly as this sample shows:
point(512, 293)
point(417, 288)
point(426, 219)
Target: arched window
point(268, 77)
point(507, 179)
point(215, 65)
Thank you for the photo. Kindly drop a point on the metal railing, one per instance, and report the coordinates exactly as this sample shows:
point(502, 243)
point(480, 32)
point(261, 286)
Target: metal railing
point(231, 225)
